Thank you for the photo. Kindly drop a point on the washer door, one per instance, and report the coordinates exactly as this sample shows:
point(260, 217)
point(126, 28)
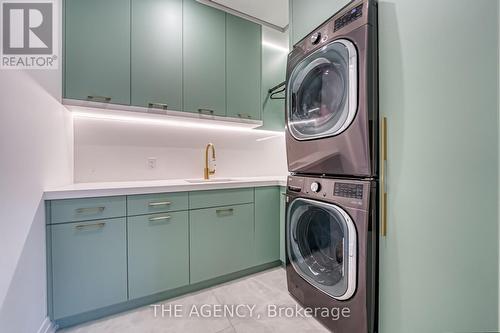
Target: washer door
point(322, 92)
point(322, 243)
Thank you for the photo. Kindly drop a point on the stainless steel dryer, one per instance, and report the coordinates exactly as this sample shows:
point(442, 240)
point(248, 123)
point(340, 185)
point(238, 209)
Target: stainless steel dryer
point(331, 102)
point(331, 244)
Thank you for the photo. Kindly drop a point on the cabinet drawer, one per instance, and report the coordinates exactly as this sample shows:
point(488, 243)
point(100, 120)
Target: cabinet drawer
point(214, 198)
point(89, 265)
point(73, 210)
point(222, 241)
point(156, 203)
point(158, 253)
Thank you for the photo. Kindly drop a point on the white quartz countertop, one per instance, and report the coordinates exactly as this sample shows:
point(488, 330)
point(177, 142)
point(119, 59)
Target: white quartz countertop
point(87, 190)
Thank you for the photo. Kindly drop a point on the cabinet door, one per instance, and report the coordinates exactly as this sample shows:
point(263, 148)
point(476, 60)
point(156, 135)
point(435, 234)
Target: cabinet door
point(307, 15)
point(97, 50)
point(89, 266)
point(439, 260)
point(157, 53)
point(243, 68)
point(267, 224)
point(221, 240)
point(158, 253)
point(204, 59)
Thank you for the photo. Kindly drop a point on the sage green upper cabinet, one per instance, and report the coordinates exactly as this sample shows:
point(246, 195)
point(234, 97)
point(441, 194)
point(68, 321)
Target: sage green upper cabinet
point(273, 73)
point(243, 68)
point(307, 15)
point(204, 59)
point(97, 50)
point(267, 224)
point(157, 53)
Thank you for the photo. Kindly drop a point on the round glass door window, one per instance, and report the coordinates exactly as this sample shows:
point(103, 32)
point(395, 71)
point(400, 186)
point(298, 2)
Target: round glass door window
point(322, 92)
point(322, 243)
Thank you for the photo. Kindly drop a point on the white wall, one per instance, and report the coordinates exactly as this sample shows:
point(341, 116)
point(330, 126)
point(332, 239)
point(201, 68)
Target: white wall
point(36, 152)
point(110, 150)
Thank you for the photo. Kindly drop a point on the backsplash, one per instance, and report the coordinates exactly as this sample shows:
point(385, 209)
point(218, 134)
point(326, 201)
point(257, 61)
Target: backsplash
point(111, 150)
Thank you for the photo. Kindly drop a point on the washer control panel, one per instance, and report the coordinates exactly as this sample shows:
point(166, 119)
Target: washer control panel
point(348, 190)
point(344, 192)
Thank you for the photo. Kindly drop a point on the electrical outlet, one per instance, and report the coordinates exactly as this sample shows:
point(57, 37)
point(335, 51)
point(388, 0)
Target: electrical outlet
point(152, 163)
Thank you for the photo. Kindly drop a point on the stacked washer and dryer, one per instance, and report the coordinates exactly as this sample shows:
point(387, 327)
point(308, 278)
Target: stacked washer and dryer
point(332, 151)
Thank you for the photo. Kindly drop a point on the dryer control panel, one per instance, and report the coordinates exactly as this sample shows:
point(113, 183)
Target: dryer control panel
point(348, 190)
point(348, 17)
point(354, 15)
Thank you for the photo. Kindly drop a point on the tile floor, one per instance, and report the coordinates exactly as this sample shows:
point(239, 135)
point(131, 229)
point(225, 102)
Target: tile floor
point(257, 296)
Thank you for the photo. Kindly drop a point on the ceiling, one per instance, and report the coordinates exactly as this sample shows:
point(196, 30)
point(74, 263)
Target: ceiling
point(274, 13)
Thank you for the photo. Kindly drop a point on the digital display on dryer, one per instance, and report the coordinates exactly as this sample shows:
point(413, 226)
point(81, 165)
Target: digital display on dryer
point(348, 17)
point(348, 190)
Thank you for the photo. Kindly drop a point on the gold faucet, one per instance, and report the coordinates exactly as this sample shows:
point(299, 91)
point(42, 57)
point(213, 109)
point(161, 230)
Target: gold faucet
point(208, 171)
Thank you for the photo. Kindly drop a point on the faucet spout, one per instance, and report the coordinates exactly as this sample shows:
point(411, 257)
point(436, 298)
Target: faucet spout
point(208, 171)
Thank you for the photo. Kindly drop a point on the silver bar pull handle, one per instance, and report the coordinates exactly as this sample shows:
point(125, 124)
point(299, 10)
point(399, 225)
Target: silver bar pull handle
point(156, 204)
point(105, 99)
point(244, 115)
point(206, 111)
point(90, 210)
point(162, 106)
point(159, 218)
point(90, 226)
point(225, 211)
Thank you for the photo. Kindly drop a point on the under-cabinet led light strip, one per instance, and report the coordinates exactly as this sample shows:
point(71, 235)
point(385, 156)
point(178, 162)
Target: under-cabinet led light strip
point(174, 123)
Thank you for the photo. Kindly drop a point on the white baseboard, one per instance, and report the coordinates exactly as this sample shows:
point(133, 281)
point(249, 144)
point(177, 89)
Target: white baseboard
point(47, 326)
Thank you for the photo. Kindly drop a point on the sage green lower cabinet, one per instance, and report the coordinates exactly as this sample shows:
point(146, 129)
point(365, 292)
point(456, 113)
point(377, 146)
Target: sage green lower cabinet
point(158, 253)
point(89, 265)
point(138, 249)
point(243, 68)
point(216, 198)
point(267, 224)
point(221, 240)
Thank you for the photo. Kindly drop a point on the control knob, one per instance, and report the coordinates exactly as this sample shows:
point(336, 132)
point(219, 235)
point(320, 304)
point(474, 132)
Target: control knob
point(315, 38)
point(315, 187)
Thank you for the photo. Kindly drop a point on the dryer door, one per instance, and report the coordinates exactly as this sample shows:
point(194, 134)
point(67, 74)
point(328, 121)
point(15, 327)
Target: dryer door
point(323, 92)
point(322, 244)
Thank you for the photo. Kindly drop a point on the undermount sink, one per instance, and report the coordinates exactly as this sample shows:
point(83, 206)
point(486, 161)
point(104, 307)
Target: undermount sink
point(211, 180)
